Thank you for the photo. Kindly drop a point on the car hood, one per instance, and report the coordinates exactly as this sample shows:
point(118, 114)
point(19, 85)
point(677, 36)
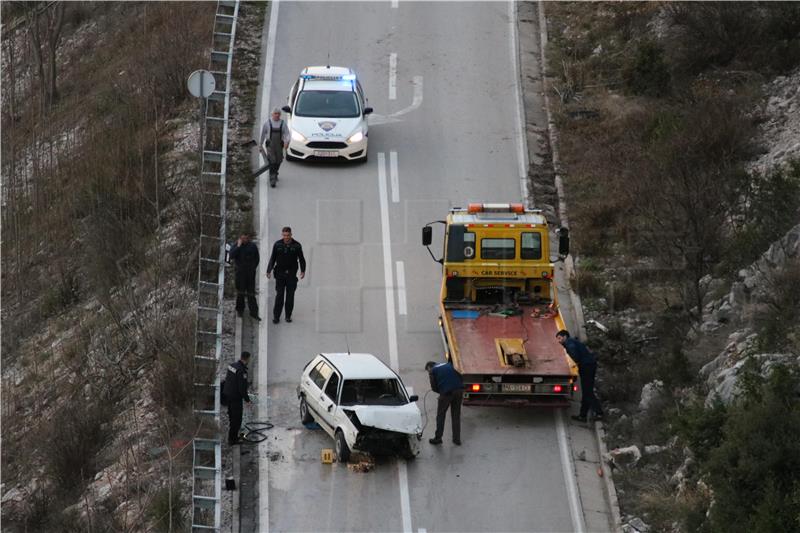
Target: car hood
point(401, 418)
point(338, 129)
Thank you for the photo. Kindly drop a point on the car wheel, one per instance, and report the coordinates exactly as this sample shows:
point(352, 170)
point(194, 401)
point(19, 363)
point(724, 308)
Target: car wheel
point(362, 160)
point(291, 157)
point(305, 414)
point(342, 449)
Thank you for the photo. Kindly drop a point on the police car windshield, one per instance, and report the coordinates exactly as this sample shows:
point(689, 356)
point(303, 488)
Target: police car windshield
point(327, 104)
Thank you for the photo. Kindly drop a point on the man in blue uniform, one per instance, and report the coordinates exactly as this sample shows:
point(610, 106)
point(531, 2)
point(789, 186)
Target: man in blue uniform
point(235, 392)
point(587, 368)
point(448, 383)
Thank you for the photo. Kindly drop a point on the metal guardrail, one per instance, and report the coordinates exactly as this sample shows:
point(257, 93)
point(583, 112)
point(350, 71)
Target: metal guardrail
point(207, 453)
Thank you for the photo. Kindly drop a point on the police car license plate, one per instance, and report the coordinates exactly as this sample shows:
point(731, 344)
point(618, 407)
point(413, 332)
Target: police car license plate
point(325, 153)
point(516, 387)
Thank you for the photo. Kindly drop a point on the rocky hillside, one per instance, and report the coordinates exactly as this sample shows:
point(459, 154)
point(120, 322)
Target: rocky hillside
point(98, 263)
point(680, 141)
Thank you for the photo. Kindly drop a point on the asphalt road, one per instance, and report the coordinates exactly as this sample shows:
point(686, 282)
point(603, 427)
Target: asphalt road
point(445, 131)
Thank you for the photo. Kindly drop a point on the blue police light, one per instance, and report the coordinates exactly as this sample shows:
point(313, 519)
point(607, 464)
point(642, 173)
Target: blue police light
point(349, 77)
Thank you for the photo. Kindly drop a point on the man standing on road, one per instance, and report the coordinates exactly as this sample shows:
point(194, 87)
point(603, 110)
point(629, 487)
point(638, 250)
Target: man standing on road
point(235, 392)
point(448, 383)
point(287, 254)
point(587, 368)
point(245, 255)
point(275, 133)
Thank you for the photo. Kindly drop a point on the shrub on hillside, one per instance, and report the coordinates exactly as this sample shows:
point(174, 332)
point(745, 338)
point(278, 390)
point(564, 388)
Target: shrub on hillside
point(762, 36)
point(646, 73)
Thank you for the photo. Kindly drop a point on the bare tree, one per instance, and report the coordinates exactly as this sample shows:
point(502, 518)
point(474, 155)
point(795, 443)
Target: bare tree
point(45, 35)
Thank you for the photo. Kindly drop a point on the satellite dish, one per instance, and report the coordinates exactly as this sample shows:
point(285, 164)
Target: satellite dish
point(201, 83)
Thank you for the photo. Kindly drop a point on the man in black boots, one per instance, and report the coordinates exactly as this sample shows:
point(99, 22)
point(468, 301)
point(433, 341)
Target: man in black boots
point(235, 393)
point(245, 256)
point(287, 254)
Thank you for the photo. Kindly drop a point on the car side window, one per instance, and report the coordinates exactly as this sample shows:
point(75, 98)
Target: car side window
point(293, 92)
point(332, 387)
point(320, 373)
point(361, 93)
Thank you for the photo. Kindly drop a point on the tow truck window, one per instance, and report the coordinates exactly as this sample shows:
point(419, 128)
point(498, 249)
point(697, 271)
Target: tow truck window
point(327, 104)
point(497, 248)
point(460, 244)
point(531, 246)
point(332, 387)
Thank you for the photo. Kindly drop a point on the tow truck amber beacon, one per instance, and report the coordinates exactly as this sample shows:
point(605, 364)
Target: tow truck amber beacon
point(327, 116)
point(498, 306)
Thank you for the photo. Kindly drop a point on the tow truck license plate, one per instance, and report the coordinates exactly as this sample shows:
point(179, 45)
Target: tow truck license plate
point(516, 387)
point(325, 153)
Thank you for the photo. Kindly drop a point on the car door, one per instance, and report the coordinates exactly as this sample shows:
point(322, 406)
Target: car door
point(313, 384)
point(329, 400)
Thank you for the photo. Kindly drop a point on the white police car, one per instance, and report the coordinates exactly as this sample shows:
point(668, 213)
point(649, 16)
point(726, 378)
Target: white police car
point(361, 403)
point(327, 116)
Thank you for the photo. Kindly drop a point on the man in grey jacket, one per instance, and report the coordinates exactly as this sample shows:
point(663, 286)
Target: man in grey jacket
point(275, 136)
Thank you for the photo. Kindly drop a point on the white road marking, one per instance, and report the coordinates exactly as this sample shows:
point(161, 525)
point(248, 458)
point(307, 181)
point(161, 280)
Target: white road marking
point(387, 262)
point(263, 224)
point(405, 501)
point(522, 153)
point(395, 4)
point(393, 177)
point(392, 76)
point(391, 320)
point(401, 289)
point(575, 509)
point(422, 530)
point(376, 119)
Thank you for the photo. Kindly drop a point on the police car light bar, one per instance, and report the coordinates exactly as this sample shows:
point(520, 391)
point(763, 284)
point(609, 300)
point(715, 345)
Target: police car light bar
point(345, 77)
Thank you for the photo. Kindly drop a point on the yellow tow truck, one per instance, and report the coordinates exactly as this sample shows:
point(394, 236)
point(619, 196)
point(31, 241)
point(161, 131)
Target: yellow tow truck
point(499, 306)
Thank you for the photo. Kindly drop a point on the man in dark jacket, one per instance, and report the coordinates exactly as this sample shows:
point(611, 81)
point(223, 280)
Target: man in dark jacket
point(287, 254)
point(245, 256)
point(448, 383)
point(235, 392)
point(587, 368)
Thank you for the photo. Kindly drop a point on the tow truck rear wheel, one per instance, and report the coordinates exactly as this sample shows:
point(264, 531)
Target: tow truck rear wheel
point(305, 414)
point(342, 449)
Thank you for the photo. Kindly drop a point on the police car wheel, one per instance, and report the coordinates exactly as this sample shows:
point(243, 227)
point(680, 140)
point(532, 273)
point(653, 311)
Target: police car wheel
point(362, 160)
point(342, 449)
point(305, 414)
point(290, 157)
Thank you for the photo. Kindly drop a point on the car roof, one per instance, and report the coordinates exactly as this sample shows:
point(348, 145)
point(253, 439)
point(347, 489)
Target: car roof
point(328, 85)
point(359, 366)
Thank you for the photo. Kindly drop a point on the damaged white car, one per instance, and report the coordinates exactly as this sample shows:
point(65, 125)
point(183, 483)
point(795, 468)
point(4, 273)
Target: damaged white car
point(361, 403)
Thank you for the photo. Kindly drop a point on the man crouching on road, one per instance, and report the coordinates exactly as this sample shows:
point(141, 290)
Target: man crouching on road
point(235, 391)
point(587, 368)
point(448, 383)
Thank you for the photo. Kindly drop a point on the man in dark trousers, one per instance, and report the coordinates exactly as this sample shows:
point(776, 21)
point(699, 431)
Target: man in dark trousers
point(235, 392)
point(448, 383)
point(587, 368)
point(245, 256)
point(287, 254)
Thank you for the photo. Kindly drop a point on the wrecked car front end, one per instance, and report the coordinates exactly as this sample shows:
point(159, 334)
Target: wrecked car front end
point(385, 430)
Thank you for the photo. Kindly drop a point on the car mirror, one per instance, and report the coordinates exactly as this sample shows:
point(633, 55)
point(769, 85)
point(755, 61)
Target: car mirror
point(413, 398)
point(330, 407)
point(367, 110)
point(287, 109)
